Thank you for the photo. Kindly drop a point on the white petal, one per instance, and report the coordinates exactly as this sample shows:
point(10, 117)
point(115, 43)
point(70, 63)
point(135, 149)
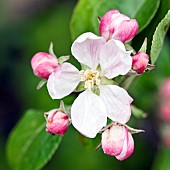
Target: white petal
point(128, 148)
point(63, 81)
point(121, 45)
point(88, 114)
point(117, 102)
point(86, 49)
point(114, 59)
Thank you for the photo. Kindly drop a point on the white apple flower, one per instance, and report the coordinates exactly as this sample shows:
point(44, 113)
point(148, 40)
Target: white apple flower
point(105, 60)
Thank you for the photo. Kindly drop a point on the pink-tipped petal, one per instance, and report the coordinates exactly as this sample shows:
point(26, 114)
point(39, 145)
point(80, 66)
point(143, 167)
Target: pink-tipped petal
point(86, 49)
point(63, 81)
point(105, 28)
point(114, 59)
point(126, 31)
point(117, 102)
point(88, 114)
point(128, 148)
point(113, 140)
point(164, 111)
point(165, 89)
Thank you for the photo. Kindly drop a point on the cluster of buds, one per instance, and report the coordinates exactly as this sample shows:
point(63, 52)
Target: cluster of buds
point(103, 58)
point(164, 112)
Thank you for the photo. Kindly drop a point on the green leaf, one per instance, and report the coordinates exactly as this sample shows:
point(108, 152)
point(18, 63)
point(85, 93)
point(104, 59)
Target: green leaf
point(144, 46)
point(158, 37)
point(3, 162)
point(161, 161)
point(146, 12)
point(85, 15)
point(29, 145)
point(138, 112)
point(132, 8)
point(81, 18)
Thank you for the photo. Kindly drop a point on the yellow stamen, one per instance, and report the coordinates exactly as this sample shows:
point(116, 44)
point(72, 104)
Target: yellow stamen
point(90, 77)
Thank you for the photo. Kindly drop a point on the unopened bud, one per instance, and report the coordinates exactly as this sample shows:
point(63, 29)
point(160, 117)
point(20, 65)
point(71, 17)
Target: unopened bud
point(165, 89)
point(165, 111)
point(165, 134)
point(43, 64)
point(57, 122)
point(118, 142)
point(166, 140)
point(139, 62)
point(114, 25)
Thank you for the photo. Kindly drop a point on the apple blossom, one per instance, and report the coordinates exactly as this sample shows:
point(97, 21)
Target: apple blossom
point(118, 142)
point(101, 99)
point(139, 62)
point(57, 122)
point(43, 64)
point(114, 25)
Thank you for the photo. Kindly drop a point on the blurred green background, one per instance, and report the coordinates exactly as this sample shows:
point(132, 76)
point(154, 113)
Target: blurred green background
point(27, 27)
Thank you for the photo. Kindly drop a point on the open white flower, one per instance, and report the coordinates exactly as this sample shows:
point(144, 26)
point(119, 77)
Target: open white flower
point(89, 111)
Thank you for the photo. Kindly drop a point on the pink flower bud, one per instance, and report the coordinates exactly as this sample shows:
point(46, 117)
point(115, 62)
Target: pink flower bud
point(57, 122)
point(118, 142)
point(43, 64)
point(139, 62)
point(114, 25)
point(165, 111)
point(165, 89)
point(166, 140)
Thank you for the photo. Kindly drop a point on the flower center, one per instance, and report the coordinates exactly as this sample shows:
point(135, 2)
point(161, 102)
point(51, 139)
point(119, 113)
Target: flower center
point(90, 77)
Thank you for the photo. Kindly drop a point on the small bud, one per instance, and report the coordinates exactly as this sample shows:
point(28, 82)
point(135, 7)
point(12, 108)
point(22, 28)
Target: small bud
point(43, 64)
point(166, 140)
point(165, 89)
point(164, 112)
point(114, 25)
point(139, 62)
point(118, 142)
point(165, 134)
point(57, 122)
